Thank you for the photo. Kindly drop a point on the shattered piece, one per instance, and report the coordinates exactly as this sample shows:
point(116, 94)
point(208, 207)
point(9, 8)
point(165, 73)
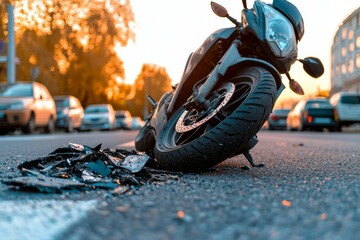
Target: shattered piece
point(98, 167)
point(120, 190)
point(80, 167)
point(46, 184)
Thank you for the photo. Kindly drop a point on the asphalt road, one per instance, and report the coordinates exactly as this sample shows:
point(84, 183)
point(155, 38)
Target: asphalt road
point(308, 189)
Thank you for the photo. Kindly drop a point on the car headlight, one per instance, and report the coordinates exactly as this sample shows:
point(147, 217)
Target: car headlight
point(17, 105)
point(279, 33)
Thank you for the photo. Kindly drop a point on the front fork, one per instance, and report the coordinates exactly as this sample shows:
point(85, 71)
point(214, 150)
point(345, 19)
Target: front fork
point(231, 58)
point(198, 99)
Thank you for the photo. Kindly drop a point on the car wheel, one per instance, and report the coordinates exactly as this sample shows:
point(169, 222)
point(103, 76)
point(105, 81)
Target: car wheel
point(30, 126)
point(3, 132)
point(70, 126)
point(50, 126)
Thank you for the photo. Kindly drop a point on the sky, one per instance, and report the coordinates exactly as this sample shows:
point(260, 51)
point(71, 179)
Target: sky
point(167, 31)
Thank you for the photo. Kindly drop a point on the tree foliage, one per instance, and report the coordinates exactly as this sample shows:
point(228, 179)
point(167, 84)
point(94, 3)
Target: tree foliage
point(71, 43)
point(153, 80)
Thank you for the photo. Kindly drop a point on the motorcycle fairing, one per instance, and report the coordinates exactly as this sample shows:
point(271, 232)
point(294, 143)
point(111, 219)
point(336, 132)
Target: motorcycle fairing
point(235, 60)
point(201, 62)
point(293, 14)
point(210, 48)
point(254, 25)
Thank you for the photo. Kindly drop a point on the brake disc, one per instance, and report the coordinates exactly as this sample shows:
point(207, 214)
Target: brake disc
point(183, 125)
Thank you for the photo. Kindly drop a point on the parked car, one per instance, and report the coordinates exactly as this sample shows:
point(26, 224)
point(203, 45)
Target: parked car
point(69, 113)
point(26, 105)
point(277, 119)
point(136, 123)
point(123, 119)
point(347, 105)
point(312, 114)
point(98, 117)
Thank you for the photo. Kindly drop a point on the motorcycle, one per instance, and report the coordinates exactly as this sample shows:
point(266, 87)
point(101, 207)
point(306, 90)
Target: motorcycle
point(228, 89)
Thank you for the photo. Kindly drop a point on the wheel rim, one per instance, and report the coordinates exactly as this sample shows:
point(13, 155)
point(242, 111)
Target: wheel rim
point(189, 120)
point(51, 125)
point(70, 126)
point(190, 125)
point(31, 126)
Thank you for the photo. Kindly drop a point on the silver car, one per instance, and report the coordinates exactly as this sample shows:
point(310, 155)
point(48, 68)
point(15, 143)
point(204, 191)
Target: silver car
point(26, 106)
point(347, 106)
point(98, 117)
point(69, 112)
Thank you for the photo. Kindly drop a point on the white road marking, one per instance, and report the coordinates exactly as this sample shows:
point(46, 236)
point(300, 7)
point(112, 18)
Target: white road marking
point(40, 219)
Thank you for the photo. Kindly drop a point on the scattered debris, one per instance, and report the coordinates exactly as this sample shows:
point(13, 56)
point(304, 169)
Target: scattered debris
point(79, 167)
point(298, 145)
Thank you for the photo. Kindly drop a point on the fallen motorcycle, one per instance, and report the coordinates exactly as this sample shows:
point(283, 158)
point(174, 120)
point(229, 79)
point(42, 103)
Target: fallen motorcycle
point(228, 89)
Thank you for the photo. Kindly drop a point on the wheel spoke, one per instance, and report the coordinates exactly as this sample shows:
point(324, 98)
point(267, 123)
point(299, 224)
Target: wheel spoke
point(218, 118)
point(182, 138)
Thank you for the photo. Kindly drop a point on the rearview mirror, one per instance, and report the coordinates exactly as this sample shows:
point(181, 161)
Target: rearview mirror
point(313, 66)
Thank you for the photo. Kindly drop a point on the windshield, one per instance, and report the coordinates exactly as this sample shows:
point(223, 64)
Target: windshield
point(350, 99)
point(318, 104)
point(62, 103)
point(96, 109)
point(17, 90)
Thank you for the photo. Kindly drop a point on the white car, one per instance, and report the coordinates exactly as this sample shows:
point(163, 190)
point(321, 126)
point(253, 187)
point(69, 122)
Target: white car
point(98, 117)
point(347, 105)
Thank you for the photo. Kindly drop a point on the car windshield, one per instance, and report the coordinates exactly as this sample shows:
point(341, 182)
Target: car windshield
point(96, 109)
point(122, 114)
point(62, 103)
point(350, 99)
point(281, 111)
point(17, 90)
point(318, 104)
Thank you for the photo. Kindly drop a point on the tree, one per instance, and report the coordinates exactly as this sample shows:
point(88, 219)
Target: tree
point(72, 43)
point(153, 80)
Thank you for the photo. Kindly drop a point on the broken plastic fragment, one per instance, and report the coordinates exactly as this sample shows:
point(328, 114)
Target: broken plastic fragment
point(79, 167)
point(47, 184)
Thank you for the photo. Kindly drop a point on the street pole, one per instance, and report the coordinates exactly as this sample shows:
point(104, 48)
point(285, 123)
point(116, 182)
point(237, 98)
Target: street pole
point(146, 92)
point(11, 45)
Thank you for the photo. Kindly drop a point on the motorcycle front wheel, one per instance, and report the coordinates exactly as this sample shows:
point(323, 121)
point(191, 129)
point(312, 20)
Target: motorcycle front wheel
point(197, 140)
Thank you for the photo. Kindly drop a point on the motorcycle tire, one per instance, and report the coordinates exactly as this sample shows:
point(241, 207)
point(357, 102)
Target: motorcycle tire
point(241, 104)
point(145, 140)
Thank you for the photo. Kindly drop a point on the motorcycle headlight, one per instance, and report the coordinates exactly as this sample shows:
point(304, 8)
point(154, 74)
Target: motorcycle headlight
point(279, 33)
point(17, 105)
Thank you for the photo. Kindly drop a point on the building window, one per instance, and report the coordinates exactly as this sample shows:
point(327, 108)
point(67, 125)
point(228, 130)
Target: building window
point(351, 34)
point(343, 33)
point(351, 66)
point(358, 41)
point(343, 68)
point(351, 47)
point(343, 51)
point(337, 70)
point(357, 60)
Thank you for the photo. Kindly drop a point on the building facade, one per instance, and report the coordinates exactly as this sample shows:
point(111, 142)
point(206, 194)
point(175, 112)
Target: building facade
point(345, 56)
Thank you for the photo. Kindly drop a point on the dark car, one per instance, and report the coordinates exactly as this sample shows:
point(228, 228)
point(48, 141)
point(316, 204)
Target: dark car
point(69, 112)
point(277, 119)
point(123, 119)
point(27, 106)
point(312, 114)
